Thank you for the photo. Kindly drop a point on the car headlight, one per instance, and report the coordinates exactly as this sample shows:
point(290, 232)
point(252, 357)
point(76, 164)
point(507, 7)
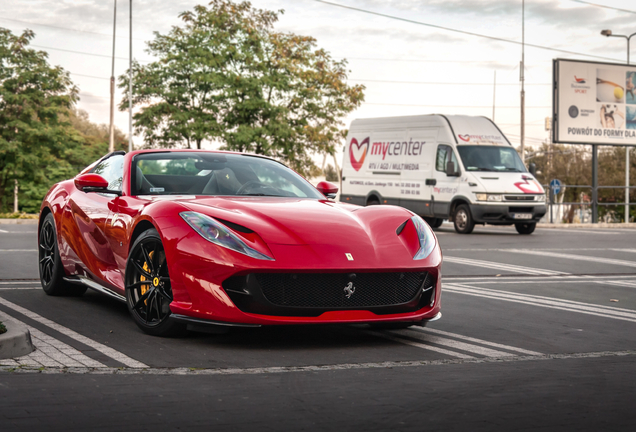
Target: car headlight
point(215, 232)
point(489, 197)
point(426, 237)
point(541, 198)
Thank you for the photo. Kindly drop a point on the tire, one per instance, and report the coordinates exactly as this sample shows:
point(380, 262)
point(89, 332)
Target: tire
point(148, 288)
point(373, 201)
point(434, 222)
point(463, 220)
point(50, 264)
point(525, 228)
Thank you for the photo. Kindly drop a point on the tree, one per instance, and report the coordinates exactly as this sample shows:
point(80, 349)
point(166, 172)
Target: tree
point(226, 75)
point(34, 97)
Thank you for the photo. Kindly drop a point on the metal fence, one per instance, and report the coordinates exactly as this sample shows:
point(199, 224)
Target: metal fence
point(592, 204)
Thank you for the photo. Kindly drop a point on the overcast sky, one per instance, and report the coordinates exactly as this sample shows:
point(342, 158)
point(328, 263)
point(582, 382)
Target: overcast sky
point(408, 68)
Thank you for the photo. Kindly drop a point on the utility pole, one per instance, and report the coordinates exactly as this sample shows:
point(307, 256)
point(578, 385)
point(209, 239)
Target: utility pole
point(494, 90)
point(15, 195)
point(130, 144)
point(522, 79)
point(111, 129)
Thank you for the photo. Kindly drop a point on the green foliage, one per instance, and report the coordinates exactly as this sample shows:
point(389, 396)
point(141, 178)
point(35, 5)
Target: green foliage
point(225, 75)
point(331, 174)
point(3, 329)
point(42, 138)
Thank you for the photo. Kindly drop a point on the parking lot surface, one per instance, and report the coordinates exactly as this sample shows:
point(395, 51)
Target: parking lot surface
point(538, 333)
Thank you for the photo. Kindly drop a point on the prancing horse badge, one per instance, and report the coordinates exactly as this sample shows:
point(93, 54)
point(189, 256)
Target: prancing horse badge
point(349, 256)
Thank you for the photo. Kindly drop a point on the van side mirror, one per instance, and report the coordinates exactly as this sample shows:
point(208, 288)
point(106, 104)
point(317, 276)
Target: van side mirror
point(533, 169)
point(450, 169)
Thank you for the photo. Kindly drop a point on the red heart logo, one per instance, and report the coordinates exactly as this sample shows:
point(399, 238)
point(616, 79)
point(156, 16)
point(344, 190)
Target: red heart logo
point(464, 137)
point(531, 187)
point(356, 163)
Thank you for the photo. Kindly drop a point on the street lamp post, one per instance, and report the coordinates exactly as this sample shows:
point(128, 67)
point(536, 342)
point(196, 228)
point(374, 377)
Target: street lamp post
point(608, 33)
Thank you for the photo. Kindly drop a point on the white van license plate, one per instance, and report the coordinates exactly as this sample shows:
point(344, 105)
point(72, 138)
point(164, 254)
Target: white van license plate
point(522, 215)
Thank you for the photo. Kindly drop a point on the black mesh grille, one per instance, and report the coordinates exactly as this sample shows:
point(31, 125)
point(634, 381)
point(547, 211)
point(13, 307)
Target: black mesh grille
point(327, 290)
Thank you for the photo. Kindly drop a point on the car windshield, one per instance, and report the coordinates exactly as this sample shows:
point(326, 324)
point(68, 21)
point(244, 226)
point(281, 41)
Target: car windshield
point(208, 173)
point(490, 158)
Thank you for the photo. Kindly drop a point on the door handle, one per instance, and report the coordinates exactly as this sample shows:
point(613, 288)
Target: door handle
point(431, 182)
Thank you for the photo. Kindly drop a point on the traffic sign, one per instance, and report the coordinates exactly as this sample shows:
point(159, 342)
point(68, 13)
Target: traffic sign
point(555, 185)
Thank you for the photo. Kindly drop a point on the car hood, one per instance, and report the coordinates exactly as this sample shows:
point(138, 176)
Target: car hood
point(294, 221)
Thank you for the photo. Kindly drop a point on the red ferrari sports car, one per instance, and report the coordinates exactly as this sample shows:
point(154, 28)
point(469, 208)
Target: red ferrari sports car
point(191, 238)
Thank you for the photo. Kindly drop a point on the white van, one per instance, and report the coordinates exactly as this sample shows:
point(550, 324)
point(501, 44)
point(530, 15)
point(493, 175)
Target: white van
point(459, 168)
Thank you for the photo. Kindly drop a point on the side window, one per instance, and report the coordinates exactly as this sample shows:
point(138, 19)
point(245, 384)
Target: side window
point(112, 169)
point(440, 160)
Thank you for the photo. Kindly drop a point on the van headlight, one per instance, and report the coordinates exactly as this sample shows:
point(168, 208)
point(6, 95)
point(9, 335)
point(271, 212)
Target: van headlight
point(489, 197)
point(541, 198)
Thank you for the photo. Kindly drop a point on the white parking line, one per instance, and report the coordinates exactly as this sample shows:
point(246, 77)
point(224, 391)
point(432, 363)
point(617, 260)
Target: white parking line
point(575, 257)
point(501, 266)
point(479, 341)
point(420, 345)
point(546, 302)
point(114, 354)
point(3, 231)
point(18, 250)
point(20, 283)
point(463, 346)
point(576, 231)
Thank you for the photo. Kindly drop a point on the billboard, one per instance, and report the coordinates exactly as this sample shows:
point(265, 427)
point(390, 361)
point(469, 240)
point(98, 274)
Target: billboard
point(594, 103)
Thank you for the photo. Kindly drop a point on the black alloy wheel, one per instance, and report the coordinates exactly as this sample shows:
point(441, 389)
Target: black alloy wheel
point(526, 227)
point(50, 263)
point(463, 220)
point(148, 289)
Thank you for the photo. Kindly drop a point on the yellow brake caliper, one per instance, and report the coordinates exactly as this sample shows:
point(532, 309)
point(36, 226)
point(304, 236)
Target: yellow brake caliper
point(144, 287)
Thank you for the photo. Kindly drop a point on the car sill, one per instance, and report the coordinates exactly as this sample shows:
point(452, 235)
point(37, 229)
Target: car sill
point(95, 286)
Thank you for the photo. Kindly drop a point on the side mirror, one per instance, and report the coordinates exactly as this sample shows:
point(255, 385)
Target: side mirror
point(328, 189)
point(450, 169)
point(533, 169)
point(93, 183)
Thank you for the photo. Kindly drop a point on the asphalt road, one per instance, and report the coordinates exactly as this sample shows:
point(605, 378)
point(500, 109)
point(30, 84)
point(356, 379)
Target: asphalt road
point(538, 333)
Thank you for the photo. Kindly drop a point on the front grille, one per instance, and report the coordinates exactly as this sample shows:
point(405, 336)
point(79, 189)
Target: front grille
point(519, 198)
point(520, 209)
point(327, 290)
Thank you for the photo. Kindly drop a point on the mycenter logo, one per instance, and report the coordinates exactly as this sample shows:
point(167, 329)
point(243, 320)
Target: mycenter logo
point(357, 152)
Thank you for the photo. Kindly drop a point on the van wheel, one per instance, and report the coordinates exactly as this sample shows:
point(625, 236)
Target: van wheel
point(434, 222)
point(463, 220)
point(525, 228)
point(373, 201)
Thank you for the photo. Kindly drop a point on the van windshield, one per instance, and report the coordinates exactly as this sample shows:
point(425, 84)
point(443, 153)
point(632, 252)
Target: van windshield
point(490, 158)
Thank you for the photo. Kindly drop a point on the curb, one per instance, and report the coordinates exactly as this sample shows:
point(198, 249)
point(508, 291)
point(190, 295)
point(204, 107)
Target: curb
point(16, 342)
point(18, 221)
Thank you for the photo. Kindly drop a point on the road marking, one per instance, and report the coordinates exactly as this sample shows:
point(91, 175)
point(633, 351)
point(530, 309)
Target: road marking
point(618, 283)
point(575, 257)
point(3, 231)
point(624, 250)
point(316, 368)
point(576, 231)
point(463, 346)
point(479, 341)
point(501, 266)
point(19, 283)
point(546, 302)
point(627, 280)
point(18, 250)
point(114, 354)
point(420, 345)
